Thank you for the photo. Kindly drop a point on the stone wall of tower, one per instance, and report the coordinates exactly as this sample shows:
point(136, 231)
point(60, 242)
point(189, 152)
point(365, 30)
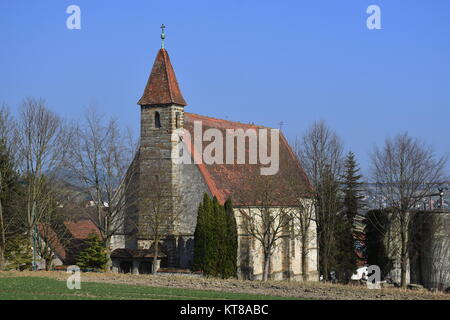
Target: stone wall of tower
point(192, 191)
point(158, 173)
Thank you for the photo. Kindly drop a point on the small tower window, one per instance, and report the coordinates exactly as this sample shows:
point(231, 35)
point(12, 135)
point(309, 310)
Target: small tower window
point(157, 120)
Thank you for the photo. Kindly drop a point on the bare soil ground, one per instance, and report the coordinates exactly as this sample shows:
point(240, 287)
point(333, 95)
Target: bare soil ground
point(310, 290)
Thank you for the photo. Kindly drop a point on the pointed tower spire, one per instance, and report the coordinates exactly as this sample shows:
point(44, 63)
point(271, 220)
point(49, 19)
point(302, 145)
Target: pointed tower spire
point(162, 85)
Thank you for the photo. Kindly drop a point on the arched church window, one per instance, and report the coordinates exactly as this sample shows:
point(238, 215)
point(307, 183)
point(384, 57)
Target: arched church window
point(157, 120)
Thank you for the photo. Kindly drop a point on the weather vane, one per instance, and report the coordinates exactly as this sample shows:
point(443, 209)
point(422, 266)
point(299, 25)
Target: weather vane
point(163, 36)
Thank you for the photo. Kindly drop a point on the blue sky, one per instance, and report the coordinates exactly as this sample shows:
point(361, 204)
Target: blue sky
point(245, 60)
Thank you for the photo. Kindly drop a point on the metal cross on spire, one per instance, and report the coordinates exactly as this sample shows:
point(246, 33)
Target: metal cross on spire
point(163, 36)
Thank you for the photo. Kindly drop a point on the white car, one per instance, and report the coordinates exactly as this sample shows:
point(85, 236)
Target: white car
point(359, 273)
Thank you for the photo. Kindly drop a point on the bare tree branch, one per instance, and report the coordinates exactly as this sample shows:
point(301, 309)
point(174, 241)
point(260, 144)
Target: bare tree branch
point(100, 158)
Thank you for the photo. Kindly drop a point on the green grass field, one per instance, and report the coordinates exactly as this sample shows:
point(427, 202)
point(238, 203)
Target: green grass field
point(40, 288)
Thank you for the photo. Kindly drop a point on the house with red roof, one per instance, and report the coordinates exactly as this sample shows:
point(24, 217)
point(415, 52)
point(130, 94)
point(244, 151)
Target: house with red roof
point(59, 248)
point(175, 155)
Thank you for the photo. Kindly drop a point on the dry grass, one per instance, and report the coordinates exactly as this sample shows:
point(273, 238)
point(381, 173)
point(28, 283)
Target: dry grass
point(309, 290)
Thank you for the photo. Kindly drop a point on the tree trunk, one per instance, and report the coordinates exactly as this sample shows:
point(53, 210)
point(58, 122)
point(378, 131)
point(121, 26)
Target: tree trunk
point(155, 259)
point(32, 231)
point(326, 272)
point(108, 254)
point(33, 245)
point(2, 258)
point(48, 264)
point(403, 267)
point(403, 254)
point(403, 272)
point(266, 266)
point(304, 263)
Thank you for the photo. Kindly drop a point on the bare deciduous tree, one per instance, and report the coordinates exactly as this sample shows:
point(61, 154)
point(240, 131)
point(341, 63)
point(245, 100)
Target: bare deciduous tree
point(264, 219)
point(100, 158)
point(42, 145)
point(156, 222)
point(303, 215)
point(320, 148)
point(53, 236)
point(8, 132)
point(439, 252)
point(405, 171)
point(320, 152)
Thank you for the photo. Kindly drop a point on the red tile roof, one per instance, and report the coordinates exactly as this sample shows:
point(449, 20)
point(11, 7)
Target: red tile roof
point(82, 229)
point(50, 236)
point(162, 86)
point(235, 180)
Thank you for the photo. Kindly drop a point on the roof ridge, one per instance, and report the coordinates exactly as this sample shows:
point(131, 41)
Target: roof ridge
point(165, 55)
point(229, 121)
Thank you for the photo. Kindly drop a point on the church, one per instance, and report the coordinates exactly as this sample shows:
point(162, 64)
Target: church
point(182, 185)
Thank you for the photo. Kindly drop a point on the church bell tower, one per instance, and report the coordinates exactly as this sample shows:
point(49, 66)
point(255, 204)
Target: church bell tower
point(162, 112)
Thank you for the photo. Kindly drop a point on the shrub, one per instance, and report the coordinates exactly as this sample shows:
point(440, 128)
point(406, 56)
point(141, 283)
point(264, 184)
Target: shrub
point(94, 255)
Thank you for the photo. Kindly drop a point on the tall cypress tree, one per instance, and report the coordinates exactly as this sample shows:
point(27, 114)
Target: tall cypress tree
point(215, 243)
point(214, 248)
point(200, 236)
point(230, 265)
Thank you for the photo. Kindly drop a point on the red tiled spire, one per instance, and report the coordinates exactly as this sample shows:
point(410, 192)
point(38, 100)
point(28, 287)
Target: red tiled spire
point(162, 86)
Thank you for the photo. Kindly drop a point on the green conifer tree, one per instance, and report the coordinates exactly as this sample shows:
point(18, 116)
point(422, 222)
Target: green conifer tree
point(200, 237)
point(346, 257)
point(215, 246)
point(230, 264)
point(215, 250)
point(94, 255)
point(210, 248)
point(352, 187)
